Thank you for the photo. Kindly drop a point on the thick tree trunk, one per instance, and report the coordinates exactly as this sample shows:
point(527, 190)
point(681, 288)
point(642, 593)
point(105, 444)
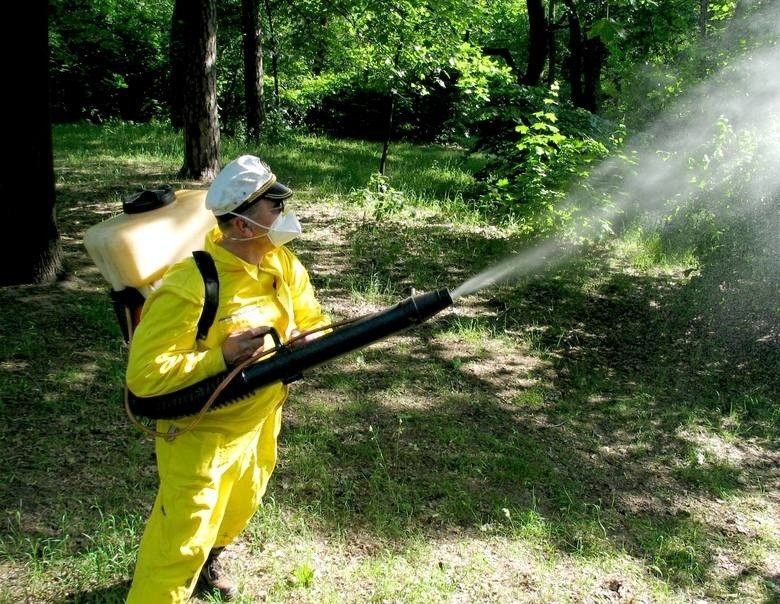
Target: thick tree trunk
point(201, 122)
point(253, 69)
point(593, 61)
point(586, 59)
point(27, 174)
point(537, 43)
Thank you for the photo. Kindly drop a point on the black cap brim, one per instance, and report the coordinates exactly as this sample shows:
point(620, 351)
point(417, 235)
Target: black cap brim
point(277, 191)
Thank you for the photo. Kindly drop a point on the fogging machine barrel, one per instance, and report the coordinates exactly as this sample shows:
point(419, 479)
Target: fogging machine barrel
point(289, 363)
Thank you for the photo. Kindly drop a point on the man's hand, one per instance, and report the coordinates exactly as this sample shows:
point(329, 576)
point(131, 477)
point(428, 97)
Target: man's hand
point(296, 339)
point(240, 345)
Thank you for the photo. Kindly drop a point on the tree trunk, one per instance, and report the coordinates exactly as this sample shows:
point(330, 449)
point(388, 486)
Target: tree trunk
point(386, 145)
point(586, 59)
point(576, 52)
point(201, 122)
point(537, 43)
point(253, 69)
point(551, 58)
point(27, 193)
point(177, 66)
point(274, 52)
point(593, 61)
point(704, 13)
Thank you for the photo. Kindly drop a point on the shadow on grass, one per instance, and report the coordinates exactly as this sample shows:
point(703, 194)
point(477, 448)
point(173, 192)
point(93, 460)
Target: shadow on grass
point(116, 594)
point(611, 437)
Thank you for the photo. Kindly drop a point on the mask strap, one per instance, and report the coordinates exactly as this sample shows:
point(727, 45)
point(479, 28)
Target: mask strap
point(250, 220)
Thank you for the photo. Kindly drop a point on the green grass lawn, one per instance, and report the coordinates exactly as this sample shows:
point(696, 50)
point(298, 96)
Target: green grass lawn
point(598, 432)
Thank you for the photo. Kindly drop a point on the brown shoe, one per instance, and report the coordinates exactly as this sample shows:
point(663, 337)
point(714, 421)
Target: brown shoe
point(214, 576)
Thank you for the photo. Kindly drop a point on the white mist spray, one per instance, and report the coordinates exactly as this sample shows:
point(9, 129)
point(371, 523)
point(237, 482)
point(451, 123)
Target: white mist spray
point(679, 164)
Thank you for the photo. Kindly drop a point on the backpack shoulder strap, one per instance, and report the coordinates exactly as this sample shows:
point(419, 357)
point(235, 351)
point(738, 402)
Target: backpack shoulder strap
point(208, 270)
point(127, 306)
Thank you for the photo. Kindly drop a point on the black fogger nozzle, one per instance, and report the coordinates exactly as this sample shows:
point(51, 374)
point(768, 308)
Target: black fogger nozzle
point(288, 364)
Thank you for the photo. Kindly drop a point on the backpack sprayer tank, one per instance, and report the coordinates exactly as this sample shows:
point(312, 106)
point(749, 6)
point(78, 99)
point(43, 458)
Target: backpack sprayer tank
point(132, 250)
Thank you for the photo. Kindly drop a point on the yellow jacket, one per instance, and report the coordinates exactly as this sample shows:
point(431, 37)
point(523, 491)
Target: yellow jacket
point(166, 356)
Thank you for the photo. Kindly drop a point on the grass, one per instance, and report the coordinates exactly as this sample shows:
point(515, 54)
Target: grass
point(583, 435)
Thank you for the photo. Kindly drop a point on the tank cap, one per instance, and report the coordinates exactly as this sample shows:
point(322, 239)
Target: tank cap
point(148, 199)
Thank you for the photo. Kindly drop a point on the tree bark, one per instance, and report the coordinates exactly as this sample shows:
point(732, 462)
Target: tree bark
point(27, 194)
point(576, 53)
point(593, 61)
point(177, 60)
point(704, 14)
point(253, 69)
point(551, 56)
point(537, 43)
point(274, 52)
point(586, 60)
point(201, 122)
point(389, 134)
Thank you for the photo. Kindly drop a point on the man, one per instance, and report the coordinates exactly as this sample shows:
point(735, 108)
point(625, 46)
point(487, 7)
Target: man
point(212, 478)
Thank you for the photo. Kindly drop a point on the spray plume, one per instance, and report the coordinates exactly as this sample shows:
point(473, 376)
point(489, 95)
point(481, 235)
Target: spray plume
point(717, 149)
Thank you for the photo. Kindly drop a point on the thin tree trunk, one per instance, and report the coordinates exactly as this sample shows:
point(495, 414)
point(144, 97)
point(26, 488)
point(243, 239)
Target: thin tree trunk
point(586, 60)
point(551, 58)
point(704, 13)
point(386, 145)
point(177, 60)
point(576, 52)
point(274, 52)
point(253, 69)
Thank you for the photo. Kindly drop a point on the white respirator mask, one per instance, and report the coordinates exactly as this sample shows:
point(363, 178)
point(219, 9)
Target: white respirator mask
point(284, 229)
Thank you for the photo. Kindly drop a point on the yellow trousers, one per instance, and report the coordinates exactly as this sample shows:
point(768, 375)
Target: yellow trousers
point(211, 483)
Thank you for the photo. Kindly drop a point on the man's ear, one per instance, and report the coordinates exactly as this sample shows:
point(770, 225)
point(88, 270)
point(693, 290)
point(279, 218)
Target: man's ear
point(242, 226)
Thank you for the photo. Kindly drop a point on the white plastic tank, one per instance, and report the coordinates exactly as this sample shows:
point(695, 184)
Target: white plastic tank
point(135, 249)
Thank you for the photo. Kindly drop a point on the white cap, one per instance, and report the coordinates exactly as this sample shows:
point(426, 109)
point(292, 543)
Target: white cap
point(242, 180)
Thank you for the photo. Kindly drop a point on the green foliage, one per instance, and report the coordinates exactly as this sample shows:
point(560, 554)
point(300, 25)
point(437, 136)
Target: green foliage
point(730, 186)
point(481, 84)
point(529, 179)
point(304, 575)
point(650, 249)
point(380, 198)
point(108, 59)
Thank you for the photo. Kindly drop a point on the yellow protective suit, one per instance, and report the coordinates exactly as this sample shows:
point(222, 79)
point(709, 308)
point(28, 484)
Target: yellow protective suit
point(211, 478)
